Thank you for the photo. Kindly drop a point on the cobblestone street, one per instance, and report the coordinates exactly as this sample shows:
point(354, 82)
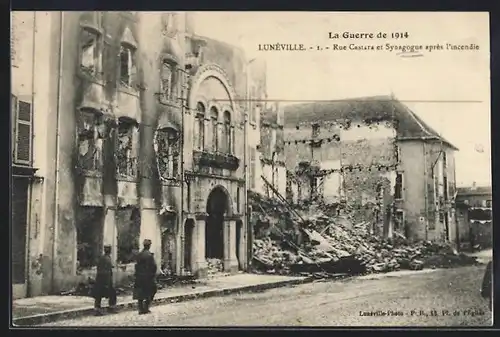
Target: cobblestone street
point(408, 299)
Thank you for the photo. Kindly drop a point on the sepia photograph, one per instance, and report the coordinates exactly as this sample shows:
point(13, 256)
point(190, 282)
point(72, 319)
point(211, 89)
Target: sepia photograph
point(250, 169)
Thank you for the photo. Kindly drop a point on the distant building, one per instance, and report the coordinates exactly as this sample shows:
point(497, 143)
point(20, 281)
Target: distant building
point(474, 215)
point(376, 159)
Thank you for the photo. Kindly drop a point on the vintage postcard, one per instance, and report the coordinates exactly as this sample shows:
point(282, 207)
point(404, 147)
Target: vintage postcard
point(232, 169)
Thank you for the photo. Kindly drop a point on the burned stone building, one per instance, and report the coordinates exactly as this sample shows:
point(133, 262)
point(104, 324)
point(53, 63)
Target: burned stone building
point(374, 159)
point(150, 141)
point(266, 135)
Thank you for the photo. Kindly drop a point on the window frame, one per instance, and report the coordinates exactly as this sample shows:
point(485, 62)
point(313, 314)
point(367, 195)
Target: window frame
point(15, 132)
point(173, 80)
point(228, 131)
point(96, 30)
point(200, 121)
point(172, 153)
point(131, 65)
point(132, 172)
point(214, 123)
point(401, 197)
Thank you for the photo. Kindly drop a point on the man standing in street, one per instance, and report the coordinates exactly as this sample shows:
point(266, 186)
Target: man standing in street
point(145, 278)
point(103, 287)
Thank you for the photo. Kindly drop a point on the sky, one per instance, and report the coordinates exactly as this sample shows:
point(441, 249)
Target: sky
point(450, 90)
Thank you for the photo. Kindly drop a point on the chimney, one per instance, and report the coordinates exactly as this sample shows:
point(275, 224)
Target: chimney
point(474, 186)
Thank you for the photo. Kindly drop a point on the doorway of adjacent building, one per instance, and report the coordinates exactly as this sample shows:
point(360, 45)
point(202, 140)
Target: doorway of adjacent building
point(217, 205)
point(239, 235)
point(19, 236)
point(188, 245)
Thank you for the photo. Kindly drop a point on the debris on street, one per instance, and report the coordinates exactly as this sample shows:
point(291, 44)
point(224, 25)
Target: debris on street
point(214, 266)
point(334, 244)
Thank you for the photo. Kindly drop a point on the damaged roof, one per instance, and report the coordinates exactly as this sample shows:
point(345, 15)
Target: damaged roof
point(469, 191)
point(411, 126)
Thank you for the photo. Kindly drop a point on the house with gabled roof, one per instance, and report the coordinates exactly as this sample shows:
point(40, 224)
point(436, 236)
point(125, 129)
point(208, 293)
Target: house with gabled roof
point(374, 159)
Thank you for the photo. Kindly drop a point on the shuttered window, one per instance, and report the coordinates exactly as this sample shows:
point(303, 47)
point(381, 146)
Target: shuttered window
point(21, 140)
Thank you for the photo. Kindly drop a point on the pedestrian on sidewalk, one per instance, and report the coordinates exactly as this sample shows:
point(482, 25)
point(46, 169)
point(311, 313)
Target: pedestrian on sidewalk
point(145, 278)
point(103, 287)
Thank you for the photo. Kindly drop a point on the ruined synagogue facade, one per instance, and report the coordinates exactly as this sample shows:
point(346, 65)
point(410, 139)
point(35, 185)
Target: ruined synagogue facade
point(147, 134)
point(375, 158)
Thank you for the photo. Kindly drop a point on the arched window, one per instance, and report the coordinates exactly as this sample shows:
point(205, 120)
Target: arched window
point(227, 132)
point(213, 120)
point(199, 126)
point(167, 151)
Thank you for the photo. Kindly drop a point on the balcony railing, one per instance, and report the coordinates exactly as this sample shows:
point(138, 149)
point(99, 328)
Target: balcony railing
point(216, 159)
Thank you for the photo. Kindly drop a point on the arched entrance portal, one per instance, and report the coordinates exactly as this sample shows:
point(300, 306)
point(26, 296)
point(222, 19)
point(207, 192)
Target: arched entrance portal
point(217, 206)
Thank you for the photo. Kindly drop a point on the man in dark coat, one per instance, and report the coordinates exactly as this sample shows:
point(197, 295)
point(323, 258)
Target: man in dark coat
point(103, 286)
point(486, 288)
point(145, 278)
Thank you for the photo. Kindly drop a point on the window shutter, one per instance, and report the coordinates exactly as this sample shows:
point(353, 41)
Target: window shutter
point(23, 133)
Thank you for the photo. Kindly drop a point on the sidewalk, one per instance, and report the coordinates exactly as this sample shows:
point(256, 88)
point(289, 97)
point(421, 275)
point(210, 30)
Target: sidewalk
point(44, 309)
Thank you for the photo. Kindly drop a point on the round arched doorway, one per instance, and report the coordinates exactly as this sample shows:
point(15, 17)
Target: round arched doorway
point(217, 207)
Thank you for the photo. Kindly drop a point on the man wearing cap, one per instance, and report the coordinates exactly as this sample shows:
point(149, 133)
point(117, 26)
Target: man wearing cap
point(103, 286)
point(145, 278)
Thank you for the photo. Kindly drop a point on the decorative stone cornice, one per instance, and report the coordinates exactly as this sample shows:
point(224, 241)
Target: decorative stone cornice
point(212, 69)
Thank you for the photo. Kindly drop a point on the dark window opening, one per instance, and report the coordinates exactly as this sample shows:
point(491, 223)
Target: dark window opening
point(398, 191)
point(127, 149)
point(89, 224)
point(168, 81)
point(199, 126)
point(128, 223)
point(188, 245)
point(215, 133)
point(314, 188)
point(315, 130)
point(227, 132)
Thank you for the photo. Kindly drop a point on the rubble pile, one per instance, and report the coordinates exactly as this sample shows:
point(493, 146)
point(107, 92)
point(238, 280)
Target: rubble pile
point(214, 266)
point(336, 245)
